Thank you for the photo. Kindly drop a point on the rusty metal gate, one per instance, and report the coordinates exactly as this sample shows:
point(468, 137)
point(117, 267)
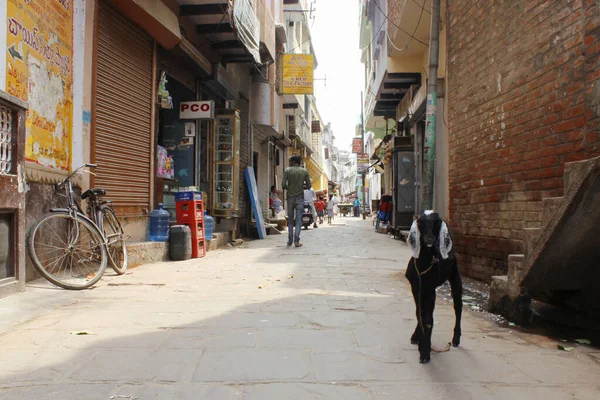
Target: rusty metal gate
point(122, 135)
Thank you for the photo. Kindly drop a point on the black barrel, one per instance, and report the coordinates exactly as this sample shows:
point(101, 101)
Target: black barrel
point(180, 243)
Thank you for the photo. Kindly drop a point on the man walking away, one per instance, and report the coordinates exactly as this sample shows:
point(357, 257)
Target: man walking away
point(335, 200)
point(320, 206)
point(295, 180)
point(310, 197)
point(356, 207)
point(330, 209)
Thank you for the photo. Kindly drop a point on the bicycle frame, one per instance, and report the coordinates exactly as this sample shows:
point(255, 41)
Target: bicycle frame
point(73, 208)
point(94, 212)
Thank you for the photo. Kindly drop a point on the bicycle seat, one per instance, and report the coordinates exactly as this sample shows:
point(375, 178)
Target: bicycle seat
point(93, 193)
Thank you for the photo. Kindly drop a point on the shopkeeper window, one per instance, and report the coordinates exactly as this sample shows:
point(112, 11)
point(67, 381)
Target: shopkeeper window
point(176, 144)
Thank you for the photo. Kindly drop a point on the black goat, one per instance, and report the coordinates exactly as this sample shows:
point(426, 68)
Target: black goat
point(433, 263)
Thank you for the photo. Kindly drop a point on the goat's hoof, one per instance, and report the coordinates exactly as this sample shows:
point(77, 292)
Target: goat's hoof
point(455, 342)
point(424, 360)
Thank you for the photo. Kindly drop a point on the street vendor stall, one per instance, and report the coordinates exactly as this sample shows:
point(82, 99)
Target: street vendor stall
point(345, 209)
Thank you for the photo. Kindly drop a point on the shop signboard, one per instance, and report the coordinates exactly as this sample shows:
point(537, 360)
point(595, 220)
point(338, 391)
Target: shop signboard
point(298, 73)
point(39, 70)
point(197, 109)
point(357, 145)
point(362, 162)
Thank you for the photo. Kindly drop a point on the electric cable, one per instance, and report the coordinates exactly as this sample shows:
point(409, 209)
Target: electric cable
point(411, 36)
point(426, 10)
point(397, 26)
point(378, 30)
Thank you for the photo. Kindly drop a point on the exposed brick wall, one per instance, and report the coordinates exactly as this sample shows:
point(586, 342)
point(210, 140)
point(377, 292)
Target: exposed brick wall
point(523, 99)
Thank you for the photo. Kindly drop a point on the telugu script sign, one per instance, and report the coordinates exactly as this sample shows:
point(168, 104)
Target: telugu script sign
point(298, 73)
point(39, 70)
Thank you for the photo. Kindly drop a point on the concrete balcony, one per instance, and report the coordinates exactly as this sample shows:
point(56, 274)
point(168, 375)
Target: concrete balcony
point(295, 5)
point(267, 33)
point(155, 17)
point(232, 27)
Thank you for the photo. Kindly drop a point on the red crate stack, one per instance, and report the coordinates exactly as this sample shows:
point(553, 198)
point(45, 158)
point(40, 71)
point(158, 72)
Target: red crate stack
point(191, 213)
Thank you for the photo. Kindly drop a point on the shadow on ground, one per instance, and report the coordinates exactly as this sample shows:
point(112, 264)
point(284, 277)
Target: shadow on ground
point(330, 320)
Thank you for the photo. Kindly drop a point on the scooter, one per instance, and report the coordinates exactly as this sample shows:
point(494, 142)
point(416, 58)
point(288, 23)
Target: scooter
point(307, 216)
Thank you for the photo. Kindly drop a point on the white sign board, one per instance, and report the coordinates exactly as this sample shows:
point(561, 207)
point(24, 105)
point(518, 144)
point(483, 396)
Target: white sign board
point(196, 109)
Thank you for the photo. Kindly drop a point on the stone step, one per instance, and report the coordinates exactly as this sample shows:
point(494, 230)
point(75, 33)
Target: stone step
point(530, 239)
point(549, 207)
point(576, 171)
point(515, 273)
point(139, 253)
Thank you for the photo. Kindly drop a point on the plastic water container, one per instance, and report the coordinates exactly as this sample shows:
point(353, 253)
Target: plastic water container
point(208, 226)
point(180, 243)
point(159, 225)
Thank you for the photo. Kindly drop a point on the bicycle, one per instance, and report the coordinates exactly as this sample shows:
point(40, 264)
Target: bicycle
point(71, 248)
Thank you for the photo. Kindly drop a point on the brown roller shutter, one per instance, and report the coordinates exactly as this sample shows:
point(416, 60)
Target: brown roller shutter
point(123, 111)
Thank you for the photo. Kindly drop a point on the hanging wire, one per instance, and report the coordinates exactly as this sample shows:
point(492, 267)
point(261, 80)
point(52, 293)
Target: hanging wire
point(397, 26)
point(411, 36)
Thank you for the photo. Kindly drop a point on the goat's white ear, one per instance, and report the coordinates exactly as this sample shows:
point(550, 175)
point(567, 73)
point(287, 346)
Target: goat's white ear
point(414, 240)
point(445, 241)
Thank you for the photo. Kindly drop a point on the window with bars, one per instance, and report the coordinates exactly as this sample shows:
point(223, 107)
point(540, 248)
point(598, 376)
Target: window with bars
point(6, 140)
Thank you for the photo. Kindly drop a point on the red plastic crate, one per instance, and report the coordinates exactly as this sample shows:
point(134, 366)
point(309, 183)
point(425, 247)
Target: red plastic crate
point(198, 248)
point(189, 212)
point(198, 233)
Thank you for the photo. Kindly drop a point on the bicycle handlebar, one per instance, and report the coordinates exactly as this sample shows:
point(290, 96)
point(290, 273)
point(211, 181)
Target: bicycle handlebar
point(85, 165)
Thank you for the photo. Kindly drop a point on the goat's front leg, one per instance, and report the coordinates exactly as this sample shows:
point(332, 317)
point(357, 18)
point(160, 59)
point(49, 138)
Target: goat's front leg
point(416, 336)
point(457, 289)
point(426, 325)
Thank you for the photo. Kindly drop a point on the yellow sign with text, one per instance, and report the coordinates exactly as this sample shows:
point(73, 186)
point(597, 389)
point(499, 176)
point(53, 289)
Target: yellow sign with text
point(298, 73)
point(39, 70)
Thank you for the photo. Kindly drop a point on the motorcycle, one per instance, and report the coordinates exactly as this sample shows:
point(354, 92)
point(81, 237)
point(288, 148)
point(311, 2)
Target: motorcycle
point(307, 216)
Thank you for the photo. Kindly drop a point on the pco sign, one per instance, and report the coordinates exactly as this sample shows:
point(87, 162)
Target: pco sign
point(196, 109)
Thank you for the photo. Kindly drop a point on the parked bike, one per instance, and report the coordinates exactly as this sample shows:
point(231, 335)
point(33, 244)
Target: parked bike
point(307, 216)
point(71, 248)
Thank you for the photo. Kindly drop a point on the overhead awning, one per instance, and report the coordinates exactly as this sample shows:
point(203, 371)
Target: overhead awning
point(232, 27)
point(155, 18)
point(192, 52)
point(394, 86)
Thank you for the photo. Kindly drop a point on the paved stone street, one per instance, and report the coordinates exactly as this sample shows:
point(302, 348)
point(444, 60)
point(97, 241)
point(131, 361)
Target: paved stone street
point(330, 320)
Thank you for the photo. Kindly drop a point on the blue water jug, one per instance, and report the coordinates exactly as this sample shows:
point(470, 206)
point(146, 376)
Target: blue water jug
point(208, 226)
point(159, 224)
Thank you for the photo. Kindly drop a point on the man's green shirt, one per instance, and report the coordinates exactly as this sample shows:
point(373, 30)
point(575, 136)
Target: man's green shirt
point(294, 179)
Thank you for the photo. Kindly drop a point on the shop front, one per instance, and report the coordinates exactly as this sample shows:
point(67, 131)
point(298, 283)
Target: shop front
point(122, 144)
point(198, 148)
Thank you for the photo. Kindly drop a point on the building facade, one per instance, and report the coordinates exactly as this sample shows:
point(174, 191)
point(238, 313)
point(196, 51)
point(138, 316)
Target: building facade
point(522, 101)
point(517, 101)
point(162, 95)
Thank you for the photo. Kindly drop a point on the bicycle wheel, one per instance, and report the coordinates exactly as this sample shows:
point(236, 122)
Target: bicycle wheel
point(67, 251)
point(115, 242)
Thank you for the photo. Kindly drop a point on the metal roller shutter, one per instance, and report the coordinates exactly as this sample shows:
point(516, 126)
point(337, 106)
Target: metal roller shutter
point(123, 111)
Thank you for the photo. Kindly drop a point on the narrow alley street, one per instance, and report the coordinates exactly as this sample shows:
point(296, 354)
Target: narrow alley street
point(330, 320)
